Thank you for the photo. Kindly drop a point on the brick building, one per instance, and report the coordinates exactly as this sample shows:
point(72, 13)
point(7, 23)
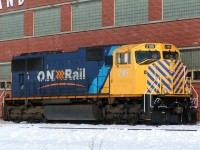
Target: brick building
point(45, 25)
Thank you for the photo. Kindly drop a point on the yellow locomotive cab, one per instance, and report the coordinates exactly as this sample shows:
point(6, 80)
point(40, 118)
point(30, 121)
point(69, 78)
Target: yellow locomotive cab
point(148, 68)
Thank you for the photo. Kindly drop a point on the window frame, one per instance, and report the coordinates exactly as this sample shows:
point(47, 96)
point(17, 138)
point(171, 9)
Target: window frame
point(123, 58)
point(170, 53)
point(149, 56)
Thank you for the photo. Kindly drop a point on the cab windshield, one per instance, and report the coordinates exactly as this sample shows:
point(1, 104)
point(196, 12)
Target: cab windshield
point(171, 55)
point(146, 57)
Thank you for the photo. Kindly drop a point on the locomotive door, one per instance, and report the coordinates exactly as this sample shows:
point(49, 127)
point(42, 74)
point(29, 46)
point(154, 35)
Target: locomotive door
point(22, 86)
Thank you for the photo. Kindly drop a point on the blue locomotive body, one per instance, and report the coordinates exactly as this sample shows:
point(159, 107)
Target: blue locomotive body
point(55, 73)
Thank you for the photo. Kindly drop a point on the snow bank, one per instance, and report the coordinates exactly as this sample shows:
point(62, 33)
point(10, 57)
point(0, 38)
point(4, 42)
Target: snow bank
point(114, 137)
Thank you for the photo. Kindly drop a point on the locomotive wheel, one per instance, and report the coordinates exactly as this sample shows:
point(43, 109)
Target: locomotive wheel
point(37, 116)
point(115, 120)
point(43, 118)
point(133, 119)
point(24, 116)
point(15, 117)
point(5, 112)
point(112, 118)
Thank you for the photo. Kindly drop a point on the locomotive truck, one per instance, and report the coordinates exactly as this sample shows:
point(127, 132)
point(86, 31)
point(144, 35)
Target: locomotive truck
point(132, 83)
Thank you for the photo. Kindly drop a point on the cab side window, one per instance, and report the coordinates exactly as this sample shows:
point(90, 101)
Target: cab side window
point(123, 58)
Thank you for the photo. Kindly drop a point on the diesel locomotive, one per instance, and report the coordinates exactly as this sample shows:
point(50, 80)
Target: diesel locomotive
point(135, 83)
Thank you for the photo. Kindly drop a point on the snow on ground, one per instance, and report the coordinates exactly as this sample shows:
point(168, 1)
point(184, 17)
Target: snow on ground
point(25, 136)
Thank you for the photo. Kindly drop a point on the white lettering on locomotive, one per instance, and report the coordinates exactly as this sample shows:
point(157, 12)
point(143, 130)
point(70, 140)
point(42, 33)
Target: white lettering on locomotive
point(41, 76)
point(50, 75)
point(67, 74)
point(123, 72)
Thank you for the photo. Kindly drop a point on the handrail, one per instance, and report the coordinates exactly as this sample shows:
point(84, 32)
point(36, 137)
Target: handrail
point(195, 99)
point(3, 93)
point(184, 80)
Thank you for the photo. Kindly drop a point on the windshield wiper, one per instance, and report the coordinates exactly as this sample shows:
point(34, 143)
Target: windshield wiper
point(147, 61)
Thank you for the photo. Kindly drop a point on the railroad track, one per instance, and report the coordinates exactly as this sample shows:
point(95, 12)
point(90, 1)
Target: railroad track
point(129, 129)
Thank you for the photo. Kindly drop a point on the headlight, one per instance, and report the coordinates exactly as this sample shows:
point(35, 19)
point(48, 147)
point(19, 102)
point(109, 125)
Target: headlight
point(165, 91)
point(172, 70)
point(188, 91)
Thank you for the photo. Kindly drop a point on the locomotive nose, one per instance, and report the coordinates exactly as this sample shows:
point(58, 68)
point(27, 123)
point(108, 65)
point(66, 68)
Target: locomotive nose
point(167, 77)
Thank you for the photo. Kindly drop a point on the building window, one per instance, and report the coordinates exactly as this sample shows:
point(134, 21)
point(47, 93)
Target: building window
point(87, 15)
point(5, 85)
point(5, 71)
point(178, 9)
point(12, 26)
point(5, 76)
point(129, 12)
point(191, 58)
point(47, 21)
point(196, 75)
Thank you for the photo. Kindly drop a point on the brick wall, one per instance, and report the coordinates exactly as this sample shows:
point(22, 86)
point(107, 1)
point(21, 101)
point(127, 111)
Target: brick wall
point(28, 23)
point(155, 10)
point(182, 33)
point(185, 33)
point(66, 18)
point(108, 12)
